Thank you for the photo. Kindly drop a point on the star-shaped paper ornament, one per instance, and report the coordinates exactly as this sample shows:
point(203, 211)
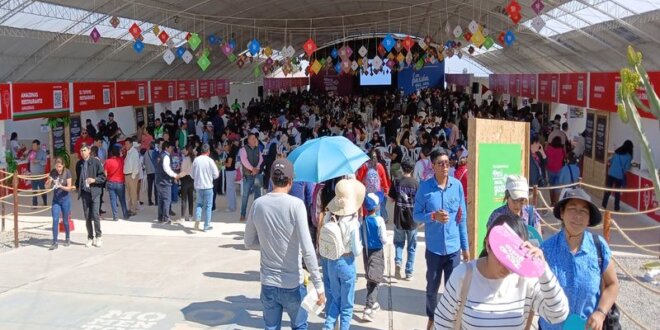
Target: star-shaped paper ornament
point(458, 31)
point(509, 38)
point(254, 47)
point(363, 51)
point(538, 23)
point(203, 63)
point(138, 46)
point(309, 47)
point(95, 35)
point(537, 6)
point(388, 42)
point(135, 30)
point(408, 43)
point(163, 36)
point(194, 41)
point(187, 57)
point(168, 56)
point(114, 21)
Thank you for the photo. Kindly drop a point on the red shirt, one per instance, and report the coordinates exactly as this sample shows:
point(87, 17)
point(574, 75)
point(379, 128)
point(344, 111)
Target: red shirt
point(115, 169)
point(555, 158)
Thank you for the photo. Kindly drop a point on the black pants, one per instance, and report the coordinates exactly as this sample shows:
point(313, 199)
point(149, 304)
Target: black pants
point(151, 187)
point(612, 182)
point(164, 202)
point(91, 206)
point(216, 190)
point(187, 199)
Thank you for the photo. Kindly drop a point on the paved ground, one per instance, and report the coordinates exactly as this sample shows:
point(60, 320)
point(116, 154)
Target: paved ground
point(150, 276)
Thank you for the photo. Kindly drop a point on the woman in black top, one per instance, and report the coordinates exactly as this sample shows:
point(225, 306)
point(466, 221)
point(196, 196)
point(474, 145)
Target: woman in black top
point(230, 173)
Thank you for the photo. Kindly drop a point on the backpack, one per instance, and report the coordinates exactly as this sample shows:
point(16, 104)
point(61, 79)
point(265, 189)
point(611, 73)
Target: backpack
point(372, 180)
point(427, 173)
point(332, 238)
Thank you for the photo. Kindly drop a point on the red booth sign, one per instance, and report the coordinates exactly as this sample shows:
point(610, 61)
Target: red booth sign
point(31, 100)
point(514, 84)
point(131, 93)
point(499, 83)
point(548, 84)
point(604, 91)
point(93, 96)
point(222, 87)
point(163, 91)
point(573, 89)
point(5, 102)
point(186, 89)
point(204, 88)
point(457, 79)
point(212, 90)
point(528, 86)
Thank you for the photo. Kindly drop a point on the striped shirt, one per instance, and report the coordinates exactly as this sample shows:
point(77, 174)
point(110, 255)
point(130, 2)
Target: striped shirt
point(501, 303)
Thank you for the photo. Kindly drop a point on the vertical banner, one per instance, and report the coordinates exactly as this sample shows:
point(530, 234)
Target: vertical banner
point(328, 81)
point(186, 89)
point(528, 86)
point(601, 139)
point(57, 136)
point(431, 76)
point(547, 87)
point(514, 84)
point(573, 89)
point(139, 115)
point(589, 138)
point(151, 116)
point(204, 88)
point(5, 102)
point(75, 127)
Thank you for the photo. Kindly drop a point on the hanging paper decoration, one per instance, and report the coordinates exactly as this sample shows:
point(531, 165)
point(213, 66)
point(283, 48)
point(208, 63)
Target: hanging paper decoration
point(377, 63)
point(450, 52)
point(328, 60)
point(316, 67)
point(163, 36)
point(290, 51)
point(203, 63)
point(515, 17)
point(408, 43)
point(441, 56)
point(458, 31)
point(363, 51)
point(322, 61)
point(390, 64)
point(471, 50)
point(286, 69)
point(509, 38)
point(381, 50)
point(168, 56)
point(473, 26)
point(422, 44)
point(448, 29)
point(467, 35)
point(488, 42)
point(114, 21)
point(399, 46)
point(135, 31)
point(400, 58)
point(334, 53)
point(459, 54)
point(513, 7)
point(409, 58)
point(156, 30)
point(538, 6)
point(194, 41)
point(388, 43)
point(268, 51)
point(345, 52)
point(346, 66)
point(538, 23)
point(500, 38)
point(254, 47)
point(256, 71)
point(226, 49)
point(170, 43)
point(232, 58)
point(95, 35)
point(354, 66)
point(188, 36)
point(240, 63)
point(212, 39)
point(478, 38)
point(428, 40)
point(419, 64)
point(138, 46)
point(338, 67)
point(232, 43)
point(180, 51)
point(450, 44)
point(309, 47)
point(187, 57)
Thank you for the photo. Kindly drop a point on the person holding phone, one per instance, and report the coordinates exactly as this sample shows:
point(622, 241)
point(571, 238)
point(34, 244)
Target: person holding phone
point(61, 182)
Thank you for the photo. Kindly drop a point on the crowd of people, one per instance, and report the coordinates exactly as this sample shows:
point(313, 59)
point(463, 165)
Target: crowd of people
point(417, 160)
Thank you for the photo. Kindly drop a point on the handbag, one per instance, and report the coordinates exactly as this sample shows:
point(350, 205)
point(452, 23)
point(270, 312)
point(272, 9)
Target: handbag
point(61, 228)
point(613, 317)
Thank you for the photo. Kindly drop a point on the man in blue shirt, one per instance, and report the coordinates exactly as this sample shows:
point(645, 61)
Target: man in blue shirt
point(436, 205)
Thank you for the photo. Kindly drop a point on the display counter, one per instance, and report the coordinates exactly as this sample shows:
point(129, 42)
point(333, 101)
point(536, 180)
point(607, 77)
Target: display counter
point(641, 200)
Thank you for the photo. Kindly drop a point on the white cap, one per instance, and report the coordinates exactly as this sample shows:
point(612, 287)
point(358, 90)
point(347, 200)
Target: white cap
point(517, 186)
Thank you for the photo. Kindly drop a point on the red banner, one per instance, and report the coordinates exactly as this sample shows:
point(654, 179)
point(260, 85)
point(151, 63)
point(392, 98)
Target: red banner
point(499, 83)
point(458, 79)
point(514, 84)
point(222, 87)
point(648, 200)
point(39, 99)
point(277, 84)
point(573, 89)
point(131, 93)
point(204, 88)
point(212, 90)
point(5, 102)
point(186, 89)
point(602, 90)
point(93, 96)
point(163, 91)
point(654, 79)
point(528, 86)
point(548, 87)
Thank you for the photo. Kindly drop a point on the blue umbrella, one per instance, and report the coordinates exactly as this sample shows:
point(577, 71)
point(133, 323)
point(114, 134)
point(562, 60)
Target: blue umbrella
point(326, 158)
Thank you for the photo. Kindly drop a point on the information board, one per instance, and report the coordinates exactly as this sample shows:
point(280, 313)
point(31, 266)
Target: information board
point(601, 138)
point(75, 128)
point(589, 138)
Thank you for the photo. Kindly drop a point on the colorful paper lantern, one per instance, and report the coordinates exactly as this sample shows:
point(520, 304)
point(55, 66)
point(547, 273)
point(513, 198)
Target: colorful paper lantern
point(95, 35)
point(138, 46)
point(388, 42)
point(135, 31)
point(309, 47)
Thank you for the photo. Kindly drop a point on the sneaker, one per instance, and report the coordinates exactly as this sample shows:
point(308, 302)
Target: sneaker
point(67, 243)
point(141, 203)
point(53, 247)
point(172, 213)
point(368, 315)
point(115, 219)
point(102, 212)
point(197, 225)
point(132, 214)
point(409, 277)
point(375, 307)
point(99, 242)
point(209, 228)
point(90, 242)
point(397, 271)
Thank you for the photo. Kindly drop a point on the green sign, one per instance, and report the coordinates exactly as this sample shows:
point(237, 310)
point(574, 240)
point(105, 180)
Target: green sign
point(496, 162)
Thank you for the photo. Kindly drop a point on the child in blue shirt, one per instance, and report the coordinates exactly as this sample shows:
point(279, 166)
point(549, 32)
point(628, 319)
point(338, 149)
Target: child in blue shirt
point(374, 237)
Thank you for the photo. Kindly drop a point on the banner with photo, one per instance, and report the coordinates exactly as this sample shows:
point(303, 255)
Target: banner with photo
point(411, 80)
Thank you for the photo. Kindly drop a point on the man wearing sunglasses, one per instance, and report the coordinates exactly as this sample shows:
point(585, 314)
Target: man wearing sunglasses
point(85, 139)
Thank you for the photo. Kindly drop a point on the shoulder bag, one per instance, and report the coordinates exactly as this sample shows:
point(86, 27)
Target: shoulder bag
point(612, 319)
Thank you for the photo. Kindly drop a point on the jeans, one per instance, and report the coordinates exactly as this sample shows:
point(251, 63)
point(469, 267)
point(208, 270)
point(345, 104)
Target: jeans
point(150, 187)
point(204, 200)
point(323, 263)
point(277, 300)
point(342, 283)
point(230, 177)
point(91, 207)
point(615, 183)
point(400, 238)
point(383, 207)
point(117, 190)
point(187, 197)
point(435, 266)
point(249, 188)
point(61, 206)
point(164, 202)
point(39, 185)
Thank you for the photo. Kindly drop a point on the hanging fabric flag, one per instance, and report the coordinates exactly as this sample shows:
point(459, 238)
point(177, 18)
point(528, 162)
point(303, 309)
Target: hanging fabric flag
point(509, 38)
point(212, 39)
point(409, 58)
point(515, 17)
point(346, 66)
point(500, 38)
point(377, 63)
point(226, 49)
point(399, 46)
point(354, 66)
point(194, 41)
point(163, 36)
point(338, 67)
point(513, 7)
point(316, 67)
point(268, 51)
point(203, 63)
point(256, 71)
point(309, 47)
point(138, 46)
point(381, 50)
point(538, 6)
point(388, 42)
point(467, 35)
point(458, 31)
point(488, 42)
point(180, 51)
point(478, 38)
point(168, 56)
point(400, 58)
point(232, 57)
point(345, 52)
point(95, 35)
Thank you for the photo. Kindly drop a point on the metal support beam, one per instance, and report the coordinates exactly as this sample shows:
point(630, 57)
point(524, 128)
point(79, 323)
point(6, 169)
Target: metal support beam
point(13, 11)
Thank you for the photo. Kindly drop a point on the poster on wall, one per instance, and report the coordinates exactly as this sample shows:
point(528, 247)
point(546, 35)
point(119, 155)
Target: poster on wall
point(5, 99)
point(575, 112)
point(151, 116)
point(601, 139)
point(57, 134)
point(547, 87)
point(37, 100)
point(496, 162)
point(589, 138)
point(328, 81)
point(75, 127)
point(573, 89)
point(139, 115)
point(410, 80)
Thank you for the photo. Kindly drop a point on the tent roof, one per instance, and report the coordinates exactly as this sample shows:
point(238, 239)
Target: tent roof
point(580, 35)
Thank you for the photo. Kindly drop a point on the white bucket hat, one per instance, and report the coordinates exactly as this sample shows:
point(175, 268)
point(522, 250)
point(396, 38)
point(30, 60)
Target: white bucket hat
point(349, 195)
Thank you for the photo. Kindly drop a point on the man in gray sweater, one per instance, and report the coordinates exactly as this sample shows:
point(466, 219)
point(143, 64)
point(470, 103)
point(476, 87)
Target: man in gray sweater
point(277, 225)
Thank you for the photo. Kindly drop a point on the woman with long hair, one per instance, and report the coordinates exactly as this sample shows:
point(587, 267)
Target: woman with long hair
point(616, 176)
point(232, 148)
point(187, 183)
point(60, 179)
